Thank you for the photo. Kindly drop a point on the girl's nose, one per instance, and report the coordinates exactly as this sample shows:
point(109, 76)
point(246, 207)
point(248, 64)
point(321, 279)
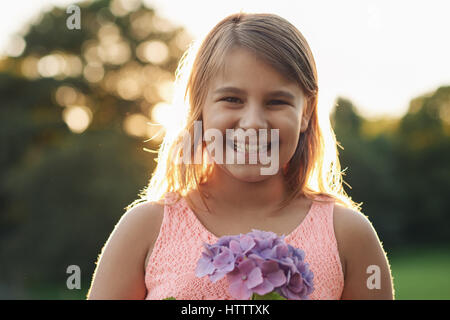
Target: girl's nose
point(253, 117)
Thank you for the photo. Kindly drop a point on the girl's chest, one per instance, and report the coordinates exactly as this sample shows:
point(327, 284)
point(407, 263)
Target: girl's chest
point(283, 223)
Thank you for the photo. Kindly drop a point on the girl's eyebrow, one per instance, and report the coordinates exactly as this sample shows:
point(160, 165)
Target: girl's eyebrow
point(277, 93)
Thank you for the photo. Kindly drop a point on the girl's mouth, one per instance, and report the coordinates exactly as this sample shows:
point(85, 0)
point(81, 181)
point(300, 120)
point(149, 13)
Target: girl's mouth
point(248, 149)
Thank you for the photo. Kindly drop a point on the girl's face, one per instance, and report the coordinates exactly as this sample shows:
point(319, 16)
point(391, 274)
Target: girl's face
point(251, 94)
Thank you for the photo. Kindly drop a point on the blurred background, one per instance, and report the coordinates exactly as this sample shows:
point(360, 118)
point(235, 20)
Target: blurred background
point(77, 108)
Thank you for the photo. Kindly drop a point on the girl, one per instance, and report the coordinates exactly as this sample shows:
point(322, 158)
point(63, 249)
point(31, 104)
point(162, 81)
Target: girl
point(252, 72)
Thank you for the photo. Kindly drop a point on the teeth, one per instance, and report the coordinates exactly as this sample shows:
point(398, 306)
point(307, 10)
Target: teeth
point(245, 147)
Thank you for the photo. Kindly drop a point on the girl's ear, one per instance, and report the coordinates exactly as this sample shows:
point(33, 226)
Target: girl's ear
point(285, 168)
point(306, 116)
point(304, 124)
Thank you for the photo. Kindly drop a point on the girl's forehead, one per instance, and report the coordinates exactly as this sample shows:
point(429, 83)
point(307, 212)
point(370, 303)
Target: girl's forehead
point(242, 67)
point(239, 60)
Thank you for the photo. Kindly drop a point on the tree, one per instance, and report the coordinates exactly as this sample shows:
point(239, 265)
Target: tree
point(74, 108)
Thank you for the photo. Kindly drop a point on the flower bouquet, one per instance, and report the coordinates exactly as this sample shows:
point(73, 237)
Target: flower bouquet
point(259, 265)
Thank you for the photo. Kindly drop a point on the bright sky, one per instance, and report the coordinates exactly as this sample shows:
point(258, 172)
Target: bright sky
point(379, 54)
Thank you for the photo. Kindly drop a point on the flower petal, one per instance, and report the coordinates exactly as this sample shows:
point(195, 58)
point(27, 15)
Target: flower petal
point(296, 283)
point(224, 259)
point(239, 290)
point(269, 266)
point(247, 243)
point(235, 247)
point(254, 278)
point(277, 278)
point(204, 267)
point(264, 288)
point(246, 266)
point(217, 275)
point(281, 250)
point(234, 275)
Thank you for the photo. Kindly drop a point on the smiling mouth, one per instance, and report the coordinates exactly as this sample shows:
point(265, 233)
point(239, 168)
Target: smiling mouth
point(240, 147)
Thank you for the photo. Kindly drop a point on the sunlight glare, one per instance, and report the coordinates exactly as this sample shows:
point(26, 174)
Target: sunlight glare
point(77, 118)
point(136, 125)
point(166, 115)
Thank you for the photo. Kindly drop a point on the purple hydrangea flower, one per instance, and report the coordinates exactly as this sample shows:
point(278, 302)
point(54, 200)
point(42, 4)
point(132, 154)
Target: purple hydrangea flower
point(273, 276)
point(205, 264)
point(244, 278)
point(258, 262)
point(216, 261)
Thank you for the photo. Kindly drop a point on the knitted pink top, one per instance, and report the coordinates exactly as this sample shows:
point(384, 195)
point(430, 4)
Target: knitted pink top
point(171, 267)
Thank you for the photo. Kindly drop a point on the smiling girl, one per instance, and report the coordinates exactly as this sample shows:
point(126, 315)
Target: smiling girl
point(252, 73)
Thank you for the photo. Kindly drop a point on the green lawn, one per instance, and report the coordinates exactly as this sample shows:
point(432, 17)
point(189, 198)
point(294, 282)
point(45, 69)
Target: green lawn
point(54, 292)
point(421, 274)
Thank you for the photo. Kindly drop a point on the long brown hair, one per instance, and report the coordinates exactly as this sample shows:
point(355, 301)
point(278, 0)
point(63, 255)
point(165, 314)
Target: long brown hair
point(314, 168)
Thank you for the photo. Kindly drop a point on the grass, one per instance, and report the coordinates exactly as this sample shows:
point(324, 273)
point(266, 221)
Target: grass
point(53, 292)
point(421, 274)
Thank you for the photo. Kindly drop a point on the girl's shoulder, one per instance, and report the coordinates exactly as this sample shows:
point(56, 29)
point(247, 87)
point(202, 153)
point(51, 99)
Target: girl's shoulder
point(126, 249)
point(361, 248)
point(145, 211)
point(145, 223)
point(352, 229)
point(348, 219)
point(145, 219)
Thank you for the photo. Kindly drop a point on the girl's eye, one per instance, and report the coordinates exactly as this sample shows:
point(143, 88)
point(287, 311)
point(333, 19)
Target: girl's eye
point(237, 100)
point(280, 102)
point(231, 99)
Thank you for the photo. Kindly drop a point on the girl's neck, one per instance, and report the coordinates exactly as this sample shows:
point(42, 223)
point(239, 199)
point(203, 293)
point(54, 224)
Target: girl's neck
point(227, 193)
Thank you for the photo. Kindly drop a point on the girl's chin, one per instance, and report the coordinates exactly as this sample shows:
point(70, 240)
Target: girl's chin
point(246, 172)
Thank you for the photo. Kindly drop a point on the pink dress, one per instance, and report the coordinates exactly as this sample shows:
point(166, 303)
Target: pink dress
point(171, 267)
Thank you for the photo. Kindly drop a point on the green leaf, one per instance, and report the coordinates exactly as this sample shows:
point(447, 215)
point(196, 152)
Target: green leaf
point(170, 298)
point(268, 296)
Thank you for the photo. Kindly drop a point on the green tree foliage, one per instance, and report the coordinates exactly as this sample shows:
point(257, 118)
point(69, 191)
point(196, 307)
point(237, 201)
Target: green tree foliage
point(62, 190)
point(400, 172)
point(423, 147)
